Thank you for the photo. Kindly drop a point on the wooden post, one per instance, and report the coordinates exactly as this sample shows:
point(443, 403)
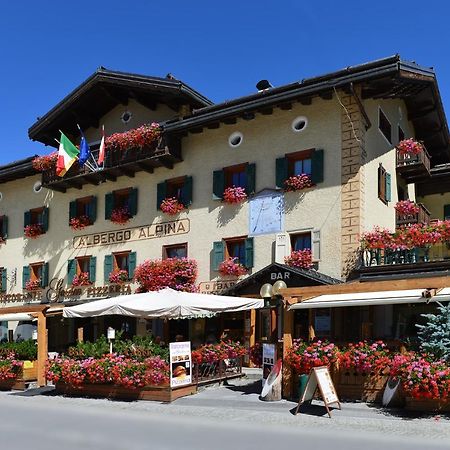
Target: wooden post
point(311, 330)
point(80, 334)
point(288, 376)
point(42, 348)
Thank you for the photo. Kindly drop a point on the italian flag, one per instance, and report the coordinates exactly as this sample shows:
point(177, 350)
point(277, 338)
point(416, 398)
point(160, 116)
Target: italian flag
point(67, 155)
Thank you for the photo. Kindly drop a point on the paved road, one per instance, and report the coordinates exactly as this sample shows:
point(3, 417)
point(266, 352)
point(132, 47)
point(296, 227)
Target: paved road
point(217, 418)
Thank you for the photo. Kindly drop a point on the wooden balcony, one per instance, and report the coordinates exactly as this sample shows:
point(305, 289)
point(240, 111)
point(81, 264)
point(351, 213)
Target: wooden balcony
point(117, 163)
point(413, 167)
point(423, 216)
point(380, 263)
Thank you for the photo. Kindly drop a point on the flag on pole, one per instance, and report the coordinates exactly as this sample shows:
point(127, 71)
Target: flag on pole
point(101, 153)
point(67, 155)
point(85, 151)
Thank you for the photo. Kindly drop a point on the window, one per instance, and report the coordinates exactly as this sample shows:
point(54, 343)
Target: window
point(37, 216)
point(384, 125)
point(35, 272)
point(239, 247)
point(240, 175)
point(84, 207)
point(120, 261)
point(401, 134)
point(123, 198)
point(301, 241)
point(180, 188)
point(4, 227)
point(175, 251)
point(309, 162)
point(79, 265)
point(384, 185)
point(3, 279)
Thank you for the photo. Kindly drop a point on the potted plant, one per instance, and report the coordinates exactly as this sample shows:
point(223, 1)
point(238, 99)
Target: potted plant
point(410, 147)
point(140, 137)
point(234, 194)
point(232, 266)
point(120, 215)
point(33, 231)
point(118, 276)
point(46, 162)
point(82, 279)
point(297, 183)
point(407, 208)
point(80, 222)
point(32, 285)
point(299, 258)
point(171, 206)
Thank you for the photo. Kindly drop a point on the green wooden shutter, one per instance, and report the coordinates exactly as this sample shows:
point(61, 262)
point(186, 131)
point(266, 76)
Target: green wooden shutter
point(133, 202)
point(249, 253)
point(4, 280)
point(317, 166)
point(108, 267)
point(92, 269)
point(131, 265)
point(186, 192)
point(218, 254)
point(218, 184)
point(250, 172)
point(161, 193)
point(109, 205)
point(5, 227)
point(44, 276)
point(45, 219)
point(71, 270)
point(72, 210)
point(388, 187)
point(26, 218)
point(446, 212)
point(25, 275)
point(92, 209)
point(281, 172)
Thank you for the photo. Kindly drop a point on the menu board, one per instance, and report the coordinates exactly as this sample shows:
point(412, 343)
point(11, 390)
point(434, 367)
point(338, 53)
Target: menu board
point(269, 357)
point(180, 363)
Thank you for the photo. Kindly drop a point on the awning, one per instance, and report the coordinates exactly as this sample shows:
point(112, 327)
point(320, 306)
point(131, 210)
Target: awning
point(19, 317)
point(366, 299)
point(164, 304)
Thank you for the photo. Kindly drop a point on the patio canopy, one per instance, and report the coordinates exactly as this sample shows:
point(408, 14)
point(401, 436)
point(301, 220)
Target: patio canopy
point(20, 317)
point(164, 304)
point(371, 299)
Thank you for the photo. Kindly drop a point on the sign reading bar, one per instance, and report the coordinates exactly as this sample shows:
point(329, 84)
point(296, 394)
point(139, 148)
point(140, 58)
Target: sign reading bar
point(153, 231)
point(319, 377)
point(216, 287)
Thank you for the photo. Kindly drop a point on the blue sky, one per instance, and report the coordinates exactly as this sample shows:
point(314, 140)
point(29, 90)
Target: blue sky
point(222, 49)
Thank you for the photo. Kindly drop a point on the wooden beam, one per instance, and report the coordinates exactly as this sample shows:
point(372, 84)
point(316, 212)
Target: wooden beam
point(56, 187)
point(74, 183)
point(145, 167)
point(128, 171)
point(367, 286)
point(109, 176)
point(326, 95)
point(305, 100)
point(42, 347)
point(82, 116)
point(248, 116)
point(196, 130)
point(29, 309)
point(267, 111)
point(286, 106)
point(213, 125)
point(94, 181)
point(116, 97)
point(419, 114)
point(165, 162)
point(288, 336)
point(229, 120)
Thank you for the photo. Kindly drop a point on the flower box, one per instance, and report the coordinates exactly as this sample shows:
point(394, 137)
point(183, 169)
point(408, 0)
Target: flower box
point(152, 393)
point(299, 258)
point(355, 386)
point(81, 279)
point(231, 266)
point(297, 183)
point(33, 285)
point(120, 216)
point(234, 194)
point(410, 147)
point(79, 223)
point(118, 276)
point(171, 206)
point(427, 405)
point(33, 231)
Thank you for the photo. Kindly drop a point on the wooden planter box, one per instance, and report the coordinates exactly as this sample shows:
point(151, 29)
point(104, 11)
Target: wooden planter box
point(354, 386)
point(155, 393)
point(29, 373)
point(20, 384)
point(427, 405)
point(15, 385)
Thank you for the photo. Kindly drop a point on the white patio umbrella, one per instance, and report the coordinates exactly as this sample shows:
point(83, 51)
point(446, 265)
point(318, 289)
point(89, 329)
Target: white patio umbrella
point(164, 304)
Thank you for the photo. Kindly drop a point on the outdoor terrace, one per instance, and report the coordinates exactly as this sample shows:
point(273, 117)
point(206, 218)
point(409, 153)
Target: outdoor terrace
point(413, 167)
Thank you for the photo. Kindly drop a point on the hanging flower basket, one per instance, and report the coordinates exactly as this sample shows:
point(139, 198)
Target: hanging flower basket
point(78, 223)
point(232, 266)
point(118, 276)
point(32, 285)
point(171, 206)
point(120, 216)
point(234, 194)
point(46, 162)
point(33, 231)
point(140, 137)
point(297, 183)
point(410, 147)
point(81, 280)
point(299, 258)
point(407, 208)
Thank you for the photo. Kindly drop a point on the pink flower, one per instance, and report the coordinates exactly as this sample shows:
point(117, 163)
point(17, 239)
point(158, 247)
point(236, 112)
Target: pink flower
point(234, 194)
point(297, 183)
point(120, 216)
point(299, 258)
point(232, 266)
point(410, 147)
point(171, 206)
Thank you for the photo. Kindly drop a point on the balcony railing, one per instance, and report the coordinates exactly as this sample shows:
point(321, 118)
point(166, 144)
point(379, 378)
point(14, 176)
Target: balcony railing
point(423, 216)
point(117, 163)
point(419, 255)
point(412, 167)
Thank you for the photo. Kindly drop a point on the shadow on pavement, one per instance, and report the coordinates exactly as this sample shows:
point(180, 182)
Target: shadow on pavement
point(407, 415)
point(311, 410)
point(245, 389)
point(45, 390)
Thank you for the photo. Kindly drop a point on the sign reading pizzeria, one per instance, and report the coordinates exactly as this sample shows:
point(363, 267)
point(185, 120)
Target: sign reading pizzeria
point(153, 231)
